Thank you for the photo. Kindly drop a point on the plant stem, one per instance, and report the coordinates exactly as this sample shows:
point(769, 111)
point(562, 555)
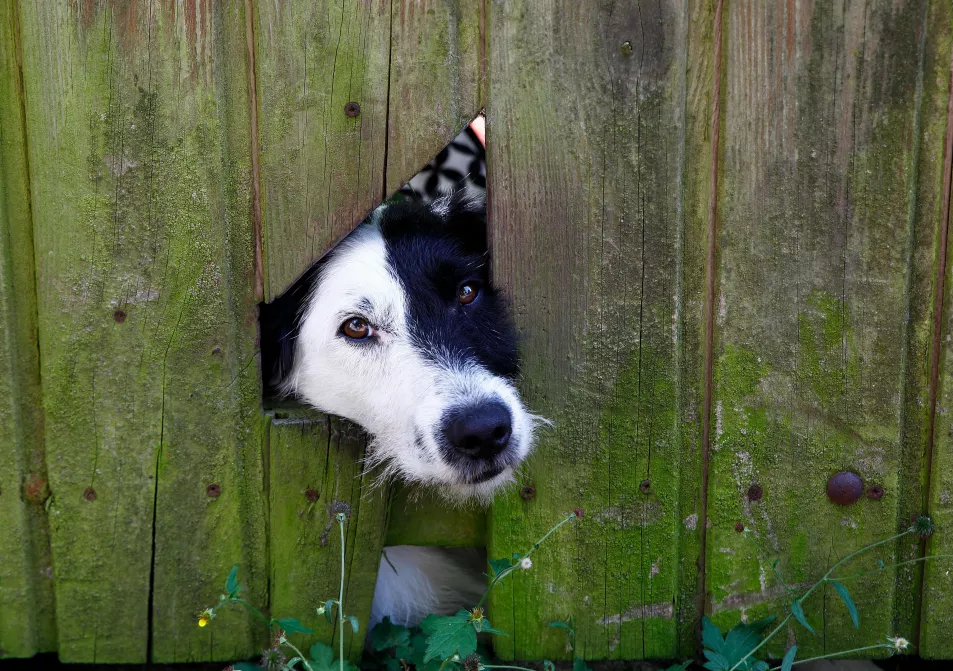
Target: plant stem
point(498, 666)
point(341, 597)
point(897, 565)
point(837, 654)
point(255, 611)
point(505, 572)
point(304, 660)
point(813, 587)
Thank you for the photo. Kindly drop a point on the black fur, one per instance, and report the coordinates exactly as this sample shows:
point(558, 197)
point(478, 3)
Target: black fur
point(431, 255)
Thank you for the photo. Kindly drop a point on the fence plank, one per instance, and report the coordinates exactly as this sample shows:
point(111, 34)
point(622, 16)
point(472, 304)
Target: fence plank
point(588, 158)
point(420, 517)
point(818, 369)
point(321, 170)
point(140, 182)
point(212, 425)
point(27, 625)
point(937, 593)
point(315, 464)
point(435, 81)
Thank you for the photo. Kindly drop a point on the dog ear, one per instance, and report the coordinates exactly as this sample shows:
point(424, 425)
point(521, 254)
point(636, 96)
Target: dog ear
point(465, 214)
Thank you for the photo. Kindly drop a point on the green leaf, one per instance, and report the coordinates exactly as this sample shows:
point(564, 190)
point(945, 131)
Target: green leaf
point(499, 565)
point(716, 661)
point(419, 642)
point(353, 621)
point(759, 665)
point(328, 610)
point(740, 641)
point(386, 635)
point(579, 664)
point(322, 659)
point(292, 625)
point(851, 608)
point(680, 667)
point(711, 636)
point(449, 635)
point(798, 614)
point(548, 665)
point(560, 625)
point(246, 666)
point(788, 660)
point(231, 584)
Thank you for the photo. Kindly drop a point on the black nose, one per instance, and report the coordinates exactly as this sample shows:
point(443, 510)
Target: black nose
point(480, 432)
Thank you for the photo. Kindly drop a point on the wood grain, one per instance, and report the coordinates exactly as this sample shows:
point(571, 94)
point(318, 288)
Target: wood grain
point(27, 624)
point(597, 221)
point(137, 120)
point(315, 465)
point(821, 316)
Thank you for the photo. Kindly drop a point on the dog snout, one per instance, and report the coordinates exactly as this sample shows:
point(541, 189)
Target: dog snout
point(479, 432)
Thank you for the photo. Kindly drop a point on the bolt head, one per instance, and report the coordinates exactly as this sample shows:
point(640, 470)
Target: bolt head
point(739, 527)
point(213, 490)
point(89, 494)
point(645, 486)
point(119, 316)
point(312, 495)
point(755, 493)
point(352, 109)
point(845, 488)
point(875, 493)
point(528, 493)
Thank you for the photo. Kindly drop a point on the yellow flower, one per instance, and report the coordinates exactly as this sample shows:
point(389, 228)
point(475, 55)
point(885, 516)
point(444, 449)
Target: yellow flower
point(206, 616)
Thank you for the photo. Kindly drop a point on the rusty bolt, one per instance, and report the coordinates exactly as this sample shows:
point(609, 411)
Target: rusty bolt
point(528, 493)
point(352, 109)
point(755, 492)
point(645, 486)
point(119, 316)
point(626, 48)
point(312, 495)
point(35, 489)
point(739, 527)
point(89, 494)
point(875, 493)
point(844, 488)
point(213, 490)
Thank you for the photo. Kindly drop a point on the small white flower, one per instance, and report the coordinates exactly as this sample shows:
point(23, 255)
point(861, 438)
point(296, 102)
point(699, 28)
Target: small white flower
point(320, 610)
point(526, 563)
point(899, 644)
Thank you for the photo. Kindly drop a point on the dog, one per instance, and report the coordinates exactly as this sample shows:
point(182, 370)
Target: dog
point(400, 330)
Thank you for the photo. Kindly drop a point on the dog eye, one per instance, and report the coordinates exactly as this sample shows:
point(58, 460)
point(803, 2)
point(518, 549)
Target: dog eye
point(356, 328)
point(468, 292)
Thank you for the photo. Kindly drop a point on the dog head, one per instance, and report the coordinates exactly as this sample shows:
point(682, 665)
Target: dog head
point(402, 332)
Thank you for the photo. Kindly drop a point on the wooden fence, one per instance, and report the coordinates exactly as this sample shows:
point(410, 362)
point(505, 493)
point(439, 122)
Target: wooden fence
point(722, 225)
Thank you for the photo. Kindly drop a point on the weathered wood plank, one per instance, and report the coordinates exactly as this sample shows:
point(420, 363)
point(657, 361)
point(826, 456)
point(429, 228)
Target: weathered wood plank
point(936, 165)
point(820, 322)
point(314, 465)
point(136, 116)
point(212, 425)
point(435, 81)
point(27, 624)
point(586, 133)
point(322, 170)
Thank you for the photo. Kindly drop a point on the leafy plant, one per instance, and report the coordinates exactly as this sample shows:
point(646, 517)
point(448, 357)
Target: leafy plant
point(320, 656)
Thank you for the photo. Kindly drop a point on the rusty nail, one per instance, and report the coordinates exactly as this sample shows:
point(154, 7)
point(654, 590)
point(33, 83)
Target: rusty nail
point(213, 490)
point(36, 489)
point(626, 48)
point(875, 493)
point(528, 493)
point(352, 109)
point(739, 527)
point(645, 486)
point(89, 494)
point(844, 488)
point(119, 316)
point(311, 494)
point(755, 492)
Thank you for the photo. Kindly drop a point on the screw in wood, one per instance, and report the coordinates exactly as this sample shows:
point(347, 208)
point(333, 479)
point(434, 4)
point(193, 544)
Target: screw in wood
point(352, 109)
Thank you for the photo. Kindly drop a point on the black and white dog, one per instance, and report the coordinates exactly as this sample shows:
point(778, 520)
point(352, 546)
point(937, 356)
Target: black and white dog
point(399, 329)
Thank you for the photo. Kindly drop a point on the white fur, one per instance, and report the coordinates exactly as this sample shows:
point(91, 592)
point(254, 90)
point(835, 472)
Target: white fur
point(415, 581)
point(388, 386)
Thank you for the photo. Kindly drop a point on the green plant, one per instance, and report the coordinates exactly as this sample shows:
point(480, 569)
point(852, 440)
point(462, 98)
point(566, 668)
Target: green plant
point(320, 656)
point(737, 649)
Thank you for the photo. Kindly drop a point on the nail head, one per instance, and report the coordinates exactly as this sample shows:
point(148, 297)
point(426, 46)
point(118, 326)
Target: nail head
point(213, 490)
point(352, 109)
point(844, 488)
